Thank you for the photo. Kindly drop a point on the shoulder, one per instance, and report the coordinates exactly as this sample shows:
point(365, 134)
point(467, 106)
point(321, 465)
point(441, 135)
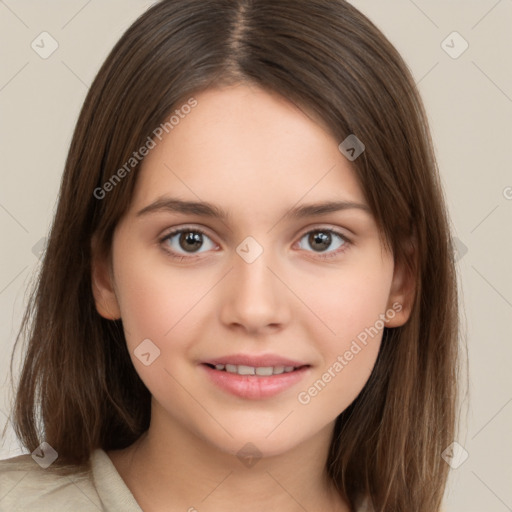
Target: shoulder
point(25, 485)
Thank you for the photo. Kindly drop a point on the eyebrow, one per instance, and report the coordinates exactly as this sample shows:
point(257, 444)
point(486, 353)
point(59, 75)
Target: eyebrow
point(205, 209)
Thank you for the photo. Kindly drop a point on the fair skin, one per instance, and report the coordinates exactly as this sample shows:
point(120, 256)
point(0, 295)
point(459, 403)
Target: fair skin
point(256, 156)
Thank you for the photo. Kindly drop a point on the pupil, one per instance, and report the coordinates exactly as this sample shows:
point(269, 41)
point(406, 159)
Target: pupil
point(320, 240)
point(193, 239)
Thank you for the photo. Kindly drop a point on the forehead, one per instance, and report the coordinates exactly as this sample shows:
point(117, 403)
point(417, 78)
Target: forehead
point(244, 145)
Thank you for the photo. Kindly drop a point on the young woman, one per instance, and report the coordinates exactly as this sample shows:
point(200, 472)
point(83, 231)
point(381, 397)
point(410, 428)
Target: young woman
point(248, 299)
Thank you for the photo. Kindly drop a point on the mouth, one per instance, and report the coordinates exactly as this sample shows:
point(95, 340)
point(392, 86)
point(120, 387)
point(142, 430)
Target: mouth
point(255, 378)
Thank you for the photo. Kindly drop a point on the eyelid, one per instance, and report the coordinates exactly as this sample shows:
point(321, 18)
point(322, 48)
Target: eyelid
point(186, 227)
point(325, 227)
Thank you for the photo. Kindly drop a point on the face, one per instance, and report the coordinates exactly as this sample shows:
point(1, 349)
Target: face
point(249, 275)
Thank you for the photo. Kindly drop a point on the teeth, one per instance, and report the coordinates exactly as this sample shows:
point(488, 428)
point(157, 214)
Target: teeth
point(246, 370)
point(264, 371)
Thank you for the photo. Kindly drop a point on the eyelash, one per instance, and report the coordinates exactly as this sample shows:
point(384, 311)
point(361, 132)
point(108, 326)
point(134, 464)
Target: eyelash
point(323, 256)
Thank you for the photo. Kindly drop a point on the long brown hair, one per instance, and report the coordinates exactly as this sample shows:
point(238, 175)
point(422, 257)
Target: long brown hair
point(78, 389)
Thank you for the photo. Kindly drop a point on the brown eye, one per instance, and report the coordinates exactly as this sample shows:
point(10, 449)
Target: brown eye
point(190, 241)
point(320, 240)
point(187, 241)
point(323, 241)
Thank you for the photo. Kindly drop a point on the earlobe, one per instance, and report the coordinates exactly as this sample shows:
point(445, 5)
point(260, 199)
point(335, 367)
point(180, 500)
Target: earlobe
point(103, 286)
point(401, 297)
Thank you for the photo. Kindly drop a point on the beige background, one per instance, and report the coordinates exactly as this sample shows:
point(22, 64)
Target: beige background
point(469, 101)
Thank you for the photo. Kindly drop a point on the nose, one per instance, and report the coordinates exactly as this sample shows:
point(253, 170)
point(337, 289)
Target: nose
point(254, 300)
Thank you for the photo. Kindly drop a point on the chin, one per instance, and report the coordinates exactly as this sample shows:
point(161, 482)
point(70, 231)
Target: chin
point(251, 449)
point(257, 440)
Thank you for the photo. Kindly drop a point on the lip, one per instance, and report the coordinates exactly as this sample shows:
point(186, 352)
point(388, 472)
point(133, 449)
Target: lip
point(255, 360)
point(253, 387)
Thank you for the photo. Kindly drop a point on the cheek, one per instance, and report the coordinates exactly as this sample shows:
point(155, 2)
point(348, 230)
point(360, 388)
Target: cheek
point(165, 306)
point(347, 325)
point(345, 301)
point(155, 299)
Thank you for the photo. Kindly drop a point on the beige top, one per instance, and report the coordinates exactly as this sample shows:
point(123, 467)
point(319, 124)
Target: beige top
point(25, 486)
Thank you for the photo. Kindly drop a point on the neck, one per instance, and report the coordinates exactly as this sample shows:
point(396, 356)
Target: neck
point(171, 469)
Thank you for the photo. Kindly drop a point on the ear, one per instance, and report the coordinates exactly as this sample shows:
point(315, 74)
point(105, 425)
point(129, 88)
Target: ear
point(403, 288)
point(103, 284)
